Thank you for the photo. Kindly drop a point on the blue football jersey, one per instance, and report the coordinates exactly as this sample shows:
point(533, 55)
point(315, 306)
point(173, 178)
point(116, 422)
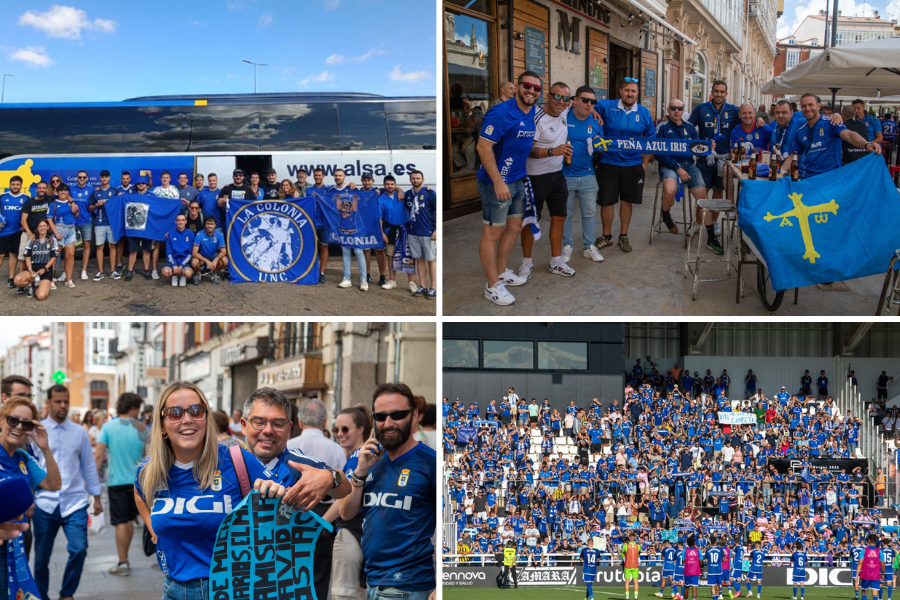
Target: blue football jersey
point(399, 497)
point(821, 147)
point(589, 558)
point(209, 244)
point(287, 475)
point(669, 558)
point(179, 247)
point(756, 559)
point(798, 560)
point(82, 196)
point(11, 211)
point(715, 555)
point(98, 194)
point(186, 519)
point(512, 133)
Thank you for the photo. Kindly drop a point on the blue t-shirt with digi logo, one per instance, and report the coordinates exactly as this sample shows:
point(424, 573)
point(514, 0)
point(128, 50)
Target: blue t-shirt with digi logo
point(422, 207)
point(11, 210)
point(186, 518)
point(821, 147)
point(82, 197)
point(512, 133)
point(21, 465)
point(580, 131)
point(715, 123)
point(759, 137)
point(98, 194)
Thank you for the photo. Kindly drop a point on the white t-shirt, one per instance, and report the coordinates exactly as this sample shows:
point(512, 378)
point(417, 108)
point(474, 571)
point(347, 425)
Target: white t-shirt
point(550, 132)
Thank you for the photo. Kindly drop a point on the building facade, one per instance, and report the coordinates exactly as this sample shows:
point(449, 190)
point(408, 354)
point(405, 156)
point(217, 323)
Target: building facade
point(31, 358)
point(579, 42)
point(83, 352)
point(850, 30)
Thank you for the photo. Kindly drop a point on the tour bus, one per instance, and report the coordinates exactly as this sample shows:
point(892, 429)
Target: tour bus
point(360, 133)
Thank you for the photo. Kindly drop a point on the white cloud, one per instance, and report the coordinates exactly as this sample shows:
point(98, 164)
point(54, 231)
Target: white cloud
point(334, 59)
point(265, 19)
point(197, 23)
point(397, 75)
point(238, 4)
point(373, 52)
point(33, 56)
point(331, 4)
point(787, 24)
point(66, 22)
point(317, 78)
point(892, 11)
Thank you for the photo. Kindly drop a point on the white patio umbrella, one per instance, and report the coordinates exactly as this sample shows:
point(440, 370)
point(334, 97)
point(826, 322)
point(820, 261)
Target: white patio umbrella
point(777, 85)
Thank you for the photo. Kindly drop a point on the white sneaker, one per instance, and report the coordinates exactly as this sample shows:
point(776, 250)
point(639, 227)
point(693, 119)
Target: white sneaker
point(593, 254)
point(174, 280)
point(62, 276)
point(70, 284)
point(566, 253)
point(182, 281)
point(413, 288)
point(561, 269)
point(499, 294)
point(84, 276)
point(511, 279)
point(389, 285)
point(154, 274)
point(364, 285)
point(525, 269)
point(52, 285)
point(345, 283)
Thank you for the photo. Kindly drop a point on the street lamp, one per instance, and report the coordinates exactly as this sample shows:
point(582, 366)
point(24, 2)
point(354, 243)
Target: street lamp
point(3, 91)
point(255, 64)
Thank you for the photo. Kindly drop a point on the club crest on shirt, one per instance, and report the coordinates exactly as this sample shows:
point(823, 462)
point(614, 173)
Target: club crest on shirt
point(217, 482)
point(637, 117)
point(589, 130)
point(404, 477)
point(23, 468)
point(489, 130)
point(821, 131)
point(726, 115)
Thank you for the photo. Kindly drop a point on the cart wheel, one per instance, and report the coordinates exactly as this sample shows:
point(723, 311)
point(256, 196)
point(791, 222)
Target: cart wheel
point(770, 299)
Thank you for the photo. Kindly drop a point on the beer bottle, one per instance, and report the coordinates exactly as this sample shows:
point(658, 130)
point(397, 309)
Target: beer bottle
point(752, 167)
point(795, 168)
point(568, 159)
point(734, 153)
point(773, 169)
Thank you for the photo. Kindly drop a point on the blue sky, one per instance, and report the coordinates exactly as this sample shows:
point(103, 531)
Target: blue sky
point(92, 50)
point(796, 10)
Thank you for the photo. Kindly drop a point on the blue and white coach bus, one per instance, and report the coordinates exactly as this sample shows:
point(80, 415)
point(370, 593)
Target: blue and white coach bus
point(360, 133)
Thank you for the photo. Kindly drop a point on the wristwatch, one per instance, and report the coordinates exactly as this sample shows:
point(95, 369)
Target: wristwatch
point(357, 480)
point(338, 478)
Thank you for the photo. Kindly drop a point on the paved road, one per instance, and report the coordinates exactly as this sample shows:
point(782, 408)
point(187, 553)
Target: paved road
point(648, 281)
point(140, 297)
point(144, 583)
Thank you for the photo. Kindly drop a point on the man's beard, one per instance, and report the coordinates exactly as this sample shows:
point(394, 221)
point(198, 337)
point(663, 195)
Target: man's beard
point(394, 442)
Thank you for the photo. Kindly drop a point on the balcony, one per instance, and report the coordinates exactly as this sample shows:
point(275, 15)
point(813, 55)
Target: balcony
point(729, 14)
point(765, 14)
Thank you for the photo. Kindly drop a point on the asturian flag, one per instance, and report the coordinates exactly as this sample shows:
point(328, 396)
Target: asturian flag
point(141, 215)
point(272, 241)
point(831, 227)
point(352, 217)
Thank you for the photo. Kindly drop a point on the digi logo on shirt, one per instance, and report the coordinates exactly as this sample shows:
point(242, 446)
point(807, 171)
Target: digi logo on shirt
point(389, 500)
point(189, 505)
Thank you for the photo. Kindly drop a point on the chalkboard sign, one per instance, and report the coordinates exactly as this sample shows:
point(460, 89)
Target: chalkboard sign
point(599, 93)
point(650, 82)
point(534, 50)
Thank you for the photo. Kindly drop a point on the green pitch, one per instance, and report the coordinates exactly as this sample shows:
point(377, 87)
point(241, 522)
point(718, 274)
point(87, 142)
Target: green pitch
point(646, 593)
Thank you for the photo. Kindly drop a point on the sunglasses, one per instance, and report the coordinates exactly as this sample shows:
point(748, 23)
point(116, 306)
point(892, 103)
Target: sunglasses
point(82, 177)
point(631, 79)
point(345, 430)
point(258, 423)
point(176, 413)
point(54, 181)
point(15, 421)
point(397, 415)
point(676, 108)
point(528, 86)
point(560, 97)
point(587, 100)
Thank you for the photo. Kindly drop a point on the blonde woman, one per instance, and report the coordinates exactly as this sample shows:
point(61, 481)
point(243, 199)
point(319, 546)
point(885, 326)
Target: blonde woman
point(190, 481)
point(352, 428)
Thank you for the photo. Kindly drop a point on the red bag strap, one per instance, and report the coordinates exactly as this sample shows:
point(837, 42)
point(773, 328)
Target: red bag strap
point(240, 468)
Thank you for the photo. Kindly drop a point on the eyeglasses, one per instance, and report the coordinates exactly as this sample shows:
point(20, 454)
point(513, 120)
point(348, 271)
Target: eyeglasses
point(397, 415)
point(676, 108)
point(631, 79)
point(528, 86)
point(258, 423)
point(15, 421)
point(82, 177)
point(560, 97)
point(587, 100)
point(344, 430)
point(176, 413)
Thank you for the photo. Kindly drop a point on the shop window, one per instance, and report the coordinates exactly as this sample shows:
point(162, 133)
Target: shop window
point(698, 83)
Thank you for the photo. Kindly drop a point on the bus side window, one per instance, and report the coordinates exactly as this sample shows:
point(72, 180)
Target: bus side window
point(412, 126)
point(312, 126)
point(363, 126)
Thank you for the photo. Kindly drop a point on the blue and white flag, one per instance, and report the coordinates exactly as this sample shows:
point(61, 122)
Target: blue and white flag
point(664, 146)
point(352, 217)
point(141, 215)
point(530, 212)
point(272, 241)
point(831, 227)
point(18, 574)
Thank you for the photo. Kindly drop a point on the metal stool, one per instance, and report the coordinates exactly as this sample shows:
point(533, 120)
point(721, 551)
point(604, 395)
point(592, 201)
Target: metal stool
point(890, 292)
point(710, 205)
point(687, 211)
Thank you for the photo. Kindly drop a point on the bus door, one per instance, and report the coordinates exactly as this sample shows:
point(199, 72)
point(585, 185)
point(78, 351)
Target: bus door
point(222, 166)
point(259, 163)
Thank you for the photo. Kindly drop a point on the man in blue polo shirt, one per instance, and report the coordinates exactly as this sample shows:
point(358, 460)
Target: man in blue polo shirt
point(677, 168)
point(820, 142)
point(873, 125)
point(209, 251)
point(506, 139)
point(622, 174)
point(81, 195)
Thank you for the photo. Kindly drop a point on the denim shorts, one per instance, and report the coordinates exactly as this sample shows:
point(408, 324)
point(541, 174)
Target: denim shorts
point(382, 592)
point(696, 178)
point(195, 589)
point(711, 175)
point(103, 234)
point(86, 230)
point(493, 211)
point(68, 234)
point(422, 246)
